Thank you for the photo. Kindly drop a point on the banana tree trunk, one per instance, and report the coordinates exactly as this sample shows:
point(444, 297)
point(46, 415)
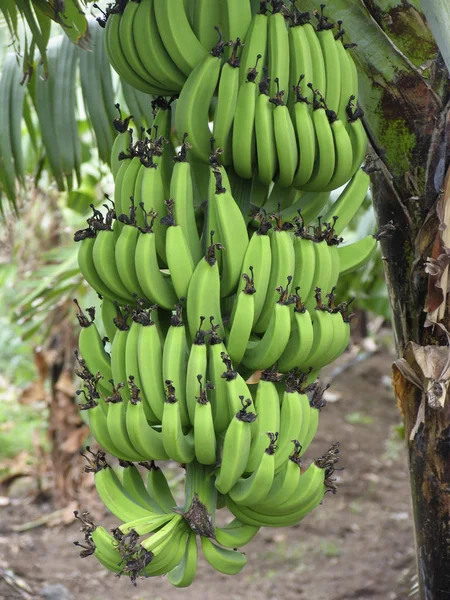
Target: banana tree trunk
point(405, 94)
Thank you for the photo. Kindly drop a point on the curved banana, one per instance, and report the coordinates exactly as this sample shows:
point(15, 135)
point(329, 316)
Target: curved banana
point(282, 267)
point(266, 150)
point(197, 365)
point(115, 497)
point(233, 235)
point(325, 161)
point(151, 49)
point(236, 448)
point(285, 140)
point(149, 356)
point(226, 105)
point(332, 90)
point(291, 416)
point(357, 134)
point(192, 114)
point(103, 255)
point(241, 321)
point(203, 298)
point(146, 439)
point(133, 483)
point(236, 16)
point(177, 35)
point(267, 408)
point(182, 194)
point(305, 136)
point(354, 256)
point(108, 314)
point(154, 194)
point(117, 57)
point(265, 353)
point(343, 152)
point(255, 45)
point(131, 54)
point(179, 447)
point(156, 287)
point(350, 200)
point(300, 64)
point(174, 364)
point(253, 489)
point(92, 349)
point(89, 272)
point(285, 481)
point(229, 562)
point(236, 534)
point(204, 434)
point(243, 142)
point(259, 256)
point(322, 347)
point(318, 79)
point(158, 487)
point(301, 340)
point(183, 574)
point(323, 271)
point(218, 394)
point(278, 46)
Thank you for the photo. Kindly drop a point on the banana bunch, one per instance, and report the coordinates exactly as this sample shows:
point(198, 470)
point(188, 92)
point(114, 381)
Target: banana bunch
point(218, 298)
point(283, 103)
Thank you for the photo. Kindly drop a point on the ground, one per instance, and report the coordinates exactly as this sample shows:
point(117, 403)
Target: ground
point(357, 544)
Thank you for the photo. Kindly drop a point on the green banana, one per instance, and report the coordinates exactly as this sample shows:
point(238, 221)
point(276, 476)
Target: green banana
point(255, 45)
point(253, 489)
point(152, 51)
point(236, 534)
point(325, 35)
point(226, 105)
point(179, 447)
point(243, 142)
point(285, 139)
point(192, 114)
point(241, 321)
point(217, 395)
point(233, 235)
point(236, 448)
point(174, 364)
point(204, 434)
point(183, 574)
point(203, 298)
point(182, 193)
point(177, 35)
point(197, 365)
point(350, 200)
point(267, 408)
point(259, 256)
point(266, 150)
point(301, 340)
point(228, 562)
point(282, 267)
point(354, 256)
point(158, 487)
point(278, 46)
point(156, 287)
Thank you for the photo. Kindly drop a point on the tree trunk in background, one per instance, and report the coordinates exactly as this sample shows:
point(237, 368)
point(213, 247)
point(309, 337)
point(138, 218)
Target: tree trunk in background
point(405, 94)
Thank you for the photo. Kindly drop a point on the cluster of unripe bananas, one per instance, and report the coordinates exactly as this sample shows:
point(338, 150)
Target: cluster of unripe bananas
point(282, 96)
point(218, 316)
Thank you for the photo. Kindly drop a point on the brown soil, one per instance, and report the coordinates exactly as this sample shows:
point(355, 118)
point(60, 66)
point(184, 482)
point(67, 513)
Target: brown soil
point(358, 544)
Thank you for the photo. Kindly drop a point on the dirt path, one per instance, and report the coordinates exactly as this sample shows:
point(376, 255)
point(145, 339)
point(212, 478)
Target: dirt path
point(358, 544)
